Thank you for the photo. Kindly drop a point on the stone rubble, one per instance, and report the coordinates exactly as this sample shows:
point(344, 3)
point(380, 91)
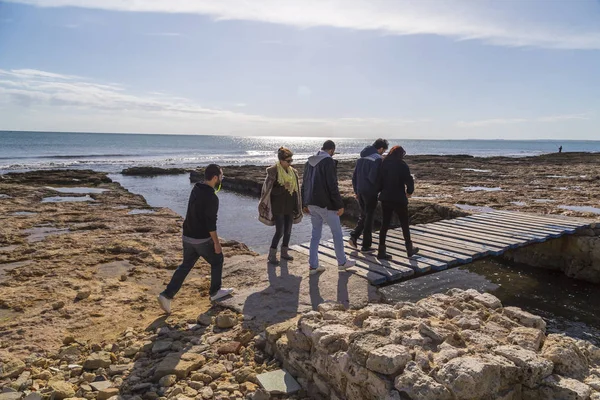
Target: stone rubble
point(214, 359)
point(462, 345)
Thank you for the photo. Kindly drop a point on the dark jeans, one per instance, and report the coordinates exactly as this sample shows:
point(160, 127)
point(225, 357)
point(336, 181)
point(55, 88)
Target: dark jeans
point(191, 254)
point(368, 205)
point(283, 227)
point(401, 211)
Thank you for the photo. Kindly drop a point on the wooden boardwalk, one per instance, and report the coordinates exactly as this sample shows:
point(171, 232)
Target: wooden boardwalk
point(450, 243)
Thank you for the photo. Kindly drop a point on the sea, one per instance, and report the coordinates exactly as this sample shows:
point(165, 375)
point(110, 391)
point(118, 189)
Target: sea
point(113, 152)
point(565, 303)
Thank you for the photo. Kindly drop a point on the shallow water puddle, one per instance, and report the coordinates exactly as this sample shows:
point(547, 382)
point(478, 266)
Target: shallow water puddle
point(544, 201)
point(39, 233)
point(589, 209)
point(23, 213)
point(77, 190)
point(468, 207)
point(481, 188)
point(6, 268)
point(140, 211)
point(476, 170)
point(113, 269)
point(433, 196)
point(4, 196)
point(65, 199)
point(519, 203)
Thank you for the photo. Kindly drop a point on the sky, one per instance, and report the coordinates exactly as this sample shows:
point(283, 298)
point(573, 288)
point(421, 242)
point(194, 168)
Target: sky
point(423, 69)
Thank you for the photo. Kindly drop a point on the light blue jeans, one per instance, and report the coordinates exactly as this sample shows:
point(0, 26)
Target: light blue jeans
point(319, 215)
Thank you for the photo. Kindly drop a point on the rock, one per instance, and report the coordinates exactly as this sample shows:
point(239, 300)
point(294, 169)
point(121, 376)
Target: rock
point(332, 338)
point(204, 319)
point(214, 370)
point(275, 331)
point(11, 396)
point(226, 320)
point(278, 382)
point(297, 340)
point(378, 310)
point(248, 387)
point(330, 306)
point(418, 385)
point(101, 385)
point(153, 171)
point(201, 377)
point(11, 368)
point(58, 305)
point(260, 394)
point(70, 353)
point(362, 346)
point(161, 346)
point(206, 393)
point(107, 393)
point(123, 278)
point(32, 396)
point(245, 374)
point(467, 322)
point(487, 299)
point(167, 380)
point(22, 382)
point(524, 318)
point(100, 359)
point(568, 359)
point(141, 387)
point(244, 337)
point(62, 389)
point(179, 364)
point(83, 294)
point(533, 367)
point(230, 348)
point(389, 359)
point(528, 338)
point(556, 387)
point(477, 377)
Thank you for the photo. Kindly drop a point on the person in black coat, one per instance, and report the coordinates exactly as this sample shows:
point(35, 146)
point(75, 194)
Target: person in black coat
point(396, 185)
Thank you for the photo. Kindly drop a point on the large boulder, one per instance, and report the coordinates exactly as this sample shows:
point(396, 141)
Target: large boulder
point(533, 368)
point(528, 338)
point(524, 318)
point(568, 359)
point(416, 384)
point(179, 364)
point(389, 359)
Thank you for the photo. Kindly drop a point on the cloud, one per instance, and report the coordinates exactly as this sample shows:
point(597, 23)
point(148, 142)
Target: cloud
point(53, 96)
point(563, 25)
point(510, 121)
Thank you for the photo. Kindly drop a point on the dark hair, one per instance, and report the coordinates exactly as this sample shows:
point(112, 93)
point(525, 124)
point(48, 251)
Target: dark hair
point(396, 153)
point(211, 171)
point(284, 153)
point(381, 144)
point(328, 145)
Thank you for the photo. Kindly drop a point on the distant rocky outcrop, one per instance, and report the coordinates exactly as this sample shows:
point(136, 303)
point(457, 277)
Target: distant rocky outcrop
point(153, 171)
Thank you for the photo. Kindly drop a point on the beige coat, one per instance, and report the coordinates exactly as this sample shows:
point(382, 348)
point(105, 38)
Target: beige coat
point(264, 206)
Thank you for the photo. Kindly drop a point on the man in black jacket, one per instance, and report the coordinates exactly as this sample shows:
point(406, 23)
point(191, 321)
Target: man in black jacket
point(322, 200)
point(365, 182)
point(200, 238)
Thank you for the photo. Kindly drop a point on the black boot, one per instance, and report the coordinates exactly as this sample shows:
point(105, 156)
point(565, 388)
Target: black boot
point(285, 254)
point(382, 255)
point(411, 250)
point(273, 257)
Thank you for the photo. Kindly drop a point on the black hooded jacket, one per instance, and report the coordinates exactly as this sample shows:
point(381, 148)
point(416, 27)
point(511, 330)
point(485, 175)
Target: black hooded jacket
point(201, 216)
point(395, 181)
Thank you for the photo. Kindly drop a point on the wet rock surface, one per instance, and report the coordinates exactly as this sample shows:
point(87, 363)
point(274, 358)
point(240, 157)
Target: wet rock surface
point(383, 351)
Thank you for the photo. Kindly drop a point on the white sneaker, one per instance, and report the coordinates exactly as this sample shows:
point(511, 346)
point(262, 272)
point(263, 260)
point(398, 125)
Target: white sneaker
point(164, 303)
point(318, 270)
point(349, 264)
point(221, 293)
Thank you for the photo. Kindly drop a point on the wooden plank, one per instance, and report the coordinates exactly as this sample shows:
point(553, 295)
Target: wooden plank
point(449, 249)
point(557, 222)
point(399, 252)
point(472, 249)
point(392, 274)
point(370, 275)
point(500, 229)
point(494, 230)
point(480, 232)
point(483, 250)
point(535, 228)
point(482, 239)
point(485, 246)
point(435, 254)
point(371, 259)
point(552, 224)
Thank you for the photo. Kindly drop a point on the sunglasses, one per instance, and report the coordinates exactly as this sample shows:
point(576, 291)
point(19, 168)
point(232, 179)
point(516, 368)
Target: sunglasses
point(289, 160)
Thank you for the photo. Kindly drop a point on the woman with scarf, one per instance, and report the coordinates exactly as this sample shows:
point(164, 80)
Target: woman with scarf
point(280, 203)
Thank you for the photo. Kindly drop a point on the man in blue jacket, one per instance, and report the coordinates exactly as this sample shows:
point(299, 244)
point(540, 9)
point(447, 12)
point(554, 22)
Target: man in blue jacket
point(365, 182)
point(322, 200)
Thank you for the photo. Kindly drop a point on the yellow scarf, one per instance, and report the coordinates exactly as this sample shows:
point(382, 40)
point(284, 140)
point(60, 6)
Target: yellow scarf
point(287, 179)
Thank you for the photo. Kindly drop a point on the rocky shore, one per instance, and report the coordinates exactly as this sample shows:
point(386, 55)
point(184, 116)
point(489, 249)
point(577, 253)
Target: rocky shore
point(543, 184)
point(462, 345)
